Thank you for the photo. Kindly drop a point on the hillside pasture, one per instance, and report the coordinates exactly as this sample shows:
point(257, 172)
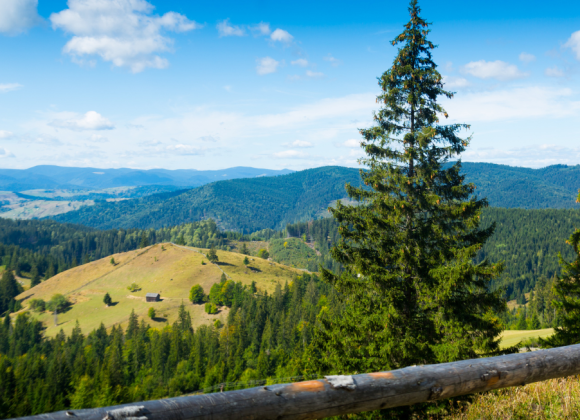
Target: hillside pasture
point(167, 269)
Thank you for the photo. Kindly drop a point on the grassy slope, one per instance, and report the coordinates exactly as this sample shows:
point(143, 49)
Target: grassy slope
point(513, 337)
point(171, 273)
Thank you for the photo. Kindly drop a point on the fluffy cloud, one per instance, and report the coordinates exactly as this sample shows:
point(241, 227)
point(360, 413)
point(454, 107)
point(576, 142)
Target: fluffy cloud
point(351, 143)
point(532, 156)
point(5, 153)
point(518, 103)
point(282, 36)
point(17, 16)
point(5, 134)
point(527, 58)
point(299, 143)
point(499, 70)
point(291, 154)
point(574, 43)
point(7, 87)
point(90, 121)
point(185, 149)
point(123, 32)
point(225, 29)
point(300, 62)
point(554, 72)
point(261, 29)
point(266, 65)
point(451, 82)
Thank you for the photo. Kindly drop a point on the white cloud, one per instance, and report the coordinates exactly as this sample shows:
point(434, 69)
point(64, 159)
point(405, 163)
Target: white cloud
point(225, 29)
point(574, 43)
point(314, 74)
point(532, 156)
point(5, 153)
point(299, 143)
point(527, 58)
point(333, 61)
point(185, 149)
point(266, 65)
point(499, 70)
point(7, 87)
point(509, 104)
point(261, 29)
point(17, 16)
point(282, 36)
point(123, 32)
point(300, 62)
point(5, 134)
point(90, 121)
point(451, 82)
point(97, 138)
point(291, 154)
point(351, 143)
point(554, 72)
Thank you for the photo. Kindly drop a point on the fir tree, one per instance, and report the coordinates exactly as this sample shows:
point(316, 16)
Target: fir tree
point(212, 255)
point(566, 291)
point(244, 250)
point(8, 291)
point(411, 291)
point(34, 276)
point(107, 299)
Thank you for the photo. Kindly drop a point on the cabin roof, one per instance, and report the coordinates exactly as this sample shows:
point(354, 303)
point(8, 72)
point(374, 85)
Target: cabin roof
point(152, 295)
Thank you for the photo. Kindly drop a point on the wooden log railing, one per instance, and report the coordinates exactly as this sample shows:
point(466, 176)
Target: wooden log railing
point(348, 394)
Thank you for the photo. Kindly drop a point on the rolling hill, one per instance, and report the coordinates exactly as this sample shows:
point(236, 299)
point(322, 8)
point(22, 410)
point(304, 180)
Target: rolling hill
point(170, 270)
point(252, 204)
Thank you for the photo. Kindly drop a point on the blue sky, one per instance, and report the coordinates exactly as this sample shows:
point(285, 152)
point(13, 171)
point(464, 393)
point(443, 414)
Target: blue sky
point(208, 85)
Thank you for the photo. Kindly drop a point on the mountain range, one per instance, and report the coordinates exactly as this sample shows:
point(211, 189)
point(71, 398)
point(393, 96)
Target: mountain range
point(252, 204)
point(70, 178)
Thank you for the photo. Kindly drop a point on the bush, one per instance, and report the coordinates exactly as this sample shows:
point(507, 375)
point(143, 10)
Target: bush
point(196, 294)
point(212, 255)
point(37, 305)
point(263, 253)
point(151, 313)
point(58, 303)
point(211, 308)
point(133, 287)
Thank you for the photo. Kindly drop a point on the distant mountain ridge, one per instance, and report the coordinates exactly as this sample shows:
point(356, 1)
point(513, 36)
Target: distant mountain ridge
point(59, 177)
point(252, 204)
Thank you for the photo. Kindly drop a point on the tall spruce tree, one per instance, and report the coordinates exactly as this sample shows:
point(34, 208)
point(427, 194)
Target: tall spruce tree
point(410, 289)
point(566, 291)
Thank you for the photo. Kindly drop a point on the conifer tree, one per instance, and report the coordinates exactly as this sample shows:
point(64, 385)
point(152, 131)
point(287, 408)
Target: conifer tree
point(566, 291)
point(411, 291)
point(34, 276)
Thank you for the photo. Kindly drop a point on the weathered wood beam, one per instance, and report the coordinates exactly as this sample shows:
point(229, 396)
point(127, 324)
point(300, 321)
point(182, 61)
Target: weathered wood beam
point(348, 394)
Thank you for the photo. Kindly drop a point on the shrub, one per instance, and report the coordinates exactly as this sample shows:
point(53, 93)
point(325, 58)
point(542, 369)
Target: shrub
point(58, 303)
point(37, 305)
point(210, 308)
point(196, 294)
point(133, 287)
point(151, 313)
point(263, 253)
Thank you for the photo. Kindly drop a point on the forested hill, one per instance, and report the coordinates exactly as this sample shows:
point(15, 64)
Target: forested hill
point(247, 205)
point(271, 202)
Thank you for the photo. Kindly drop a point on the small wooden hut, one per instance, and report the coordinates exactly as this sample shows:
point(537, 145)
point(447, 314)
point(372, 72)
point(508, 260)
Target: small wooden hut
point(152, 297)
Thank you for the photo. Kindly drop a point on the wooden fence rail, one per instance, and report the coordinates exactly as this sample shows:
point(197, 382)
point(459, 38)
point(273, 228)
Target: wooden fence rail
point(348, 394)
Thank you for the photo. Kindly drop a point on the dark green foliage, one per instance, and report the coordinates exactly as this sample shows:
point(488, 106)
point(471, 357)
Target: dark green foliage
point(263, 336)
point(567, 298)
point(107, 299)
point(144, 240)
point(196, 294)
point(246, 261)
point(37, 305)
point(9, 289)
point(411, 291)
point(244, 249)
point(212, 255)
point(34, 276)
point(263, 253)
